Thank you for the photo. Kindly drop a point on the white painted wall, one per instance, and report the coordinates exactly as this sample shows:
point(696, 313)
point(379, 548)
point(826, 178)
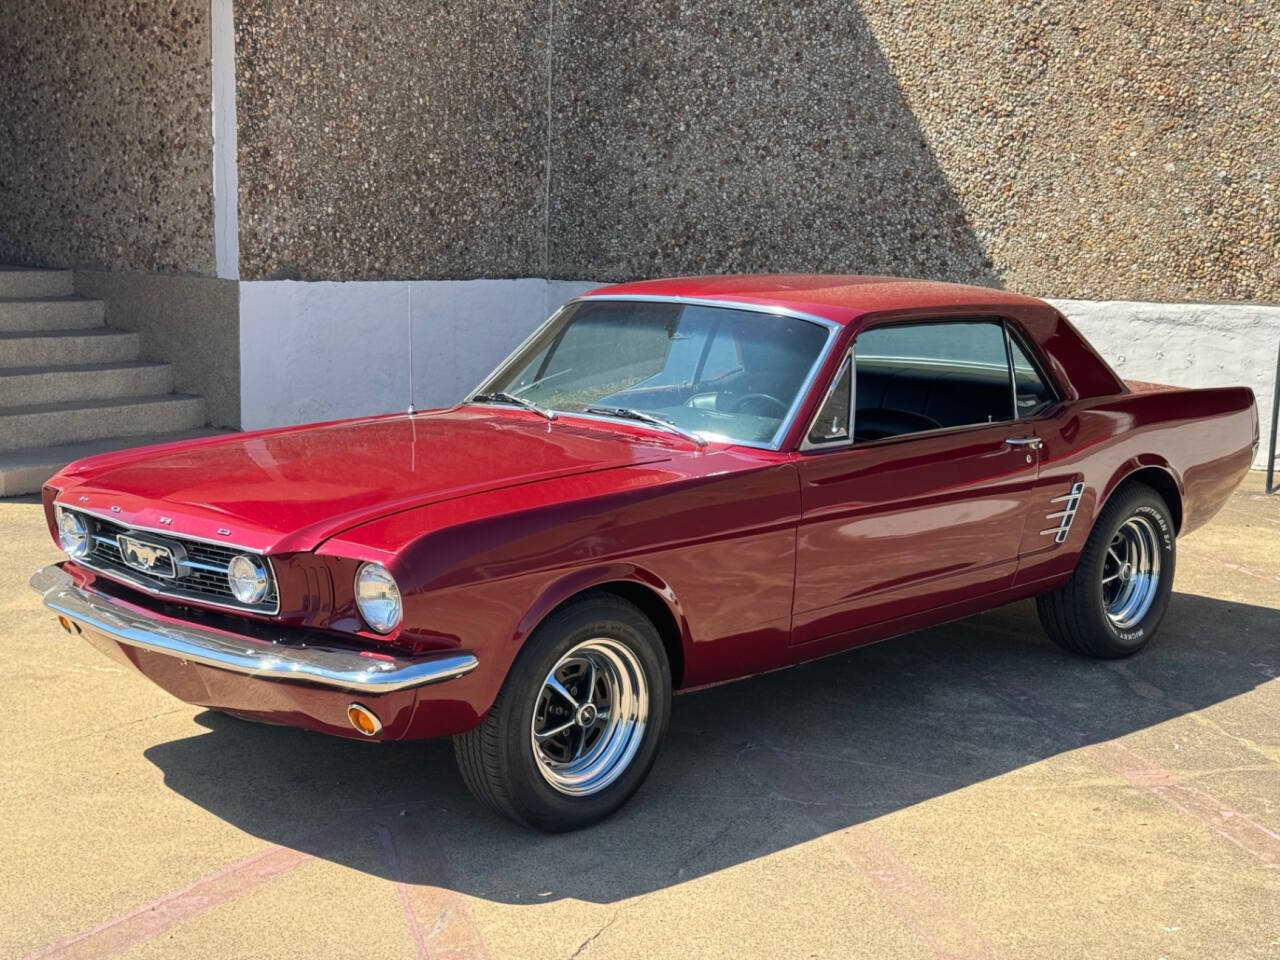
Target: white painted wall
point(326, 350)
point(1187, 344)
point(320, 351)
point(226, 179)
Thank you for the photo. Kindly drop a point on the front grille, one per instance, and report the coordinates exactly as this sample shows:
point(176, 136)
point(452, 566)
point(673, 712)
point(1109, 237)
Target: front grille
point(206, 579)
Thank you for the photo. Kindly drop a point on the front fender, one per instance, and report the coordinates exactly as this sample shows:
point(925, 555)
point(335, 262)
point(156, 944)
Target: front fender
point(572, 584)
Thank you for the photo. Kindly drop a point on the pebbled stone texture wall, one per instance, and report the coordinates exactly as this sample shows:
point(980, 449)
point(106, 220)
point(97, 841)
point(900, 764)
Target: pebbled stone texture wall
point(393, 138)
point(721, 137)
point(105, 141)
point(1086, 149)
point(1090, 149)
point(1104, 149)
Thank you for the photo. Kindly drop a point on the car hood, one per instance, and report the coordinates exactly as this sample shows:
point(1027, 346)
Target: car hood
point(287, 490)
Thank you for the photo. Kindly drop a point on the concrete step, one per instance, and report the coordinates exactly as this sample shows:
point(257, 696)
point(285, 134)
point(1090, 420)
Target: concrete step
point(52, 424)
point(47, 348)
point(30, 282)
point(23, 386)
point(49, 313)
point(25, 471)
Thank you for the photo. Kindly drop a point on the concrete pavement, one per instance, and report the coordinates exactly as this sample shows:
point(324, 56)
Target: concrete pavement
point(967, 791)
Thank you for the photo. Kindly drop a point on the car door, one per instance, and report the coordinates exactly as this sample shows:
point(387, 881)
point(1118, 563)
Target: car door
point(921, 500)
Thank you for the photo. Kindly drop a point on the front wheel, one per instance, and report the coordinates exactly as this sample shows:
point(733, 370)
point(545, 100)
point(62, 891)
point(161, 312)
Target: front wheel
point(578, 722)
point(1117, 596)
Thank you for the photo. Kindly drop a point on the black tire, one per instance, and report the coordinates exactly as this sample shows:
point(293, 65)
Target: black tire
point(1076, 614)
point(497, 758)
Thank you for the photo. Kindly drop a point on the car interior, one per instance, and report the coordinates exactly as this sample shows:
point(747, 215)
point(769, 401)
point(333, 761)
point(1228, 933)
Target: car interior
point(724, 373)
point(731, 375)
point(932, 376)
point(897, 396)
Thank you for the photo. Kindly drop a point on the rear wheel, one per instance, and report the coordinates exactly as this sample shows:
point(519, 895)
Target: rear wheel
point(578, 722)
point(1115, 600)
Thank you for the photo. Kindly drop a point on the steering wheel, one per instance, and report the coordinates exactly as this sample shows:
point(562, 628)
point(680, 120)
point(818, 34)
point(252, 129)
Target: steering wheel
point(761, 400)
point(877, 423)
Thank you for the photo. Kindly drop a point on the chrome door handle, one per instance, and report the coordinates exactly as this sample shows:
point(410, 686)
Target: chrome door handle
point(1032, 442)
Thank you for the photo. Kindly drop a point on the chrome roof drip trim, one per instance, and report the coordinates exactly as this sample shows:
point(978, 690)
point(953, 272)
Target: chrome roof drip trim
point(713, 302)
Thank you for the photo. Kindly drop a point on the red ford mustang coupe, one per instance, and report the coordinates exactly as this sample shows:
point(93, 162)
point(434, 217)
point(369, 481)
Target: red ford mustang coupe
point(669, 484)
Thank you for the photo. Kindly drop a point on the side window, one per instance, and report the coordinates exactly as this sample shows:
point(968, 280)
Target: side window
point(1033, 393)
point(930, 376)
point(831, 426)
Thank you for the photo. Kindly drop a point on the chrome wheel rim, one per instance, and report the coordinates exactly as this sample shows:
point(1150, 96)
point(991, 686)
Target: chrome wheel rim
point(1131, 572)
point(589, 717)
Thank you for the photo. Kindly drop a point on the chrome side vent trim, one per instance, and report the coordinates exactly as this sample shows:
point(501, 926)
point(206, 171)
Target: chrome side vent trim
point(1065, 515)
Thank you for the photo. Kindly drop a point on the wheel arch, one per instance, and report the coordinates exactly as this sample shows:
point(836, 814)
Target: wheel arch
point(640, 587)
point(1156, 473)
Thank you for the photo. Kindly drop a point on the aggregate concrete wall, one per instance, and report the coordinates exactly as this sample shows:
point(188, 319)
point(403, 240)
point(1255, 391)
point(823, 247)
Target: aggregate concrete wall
point(726, 137)
point(391, 138)
point(1090, 150)
point(1104, 150)
point(322, 351)
point(105, 138)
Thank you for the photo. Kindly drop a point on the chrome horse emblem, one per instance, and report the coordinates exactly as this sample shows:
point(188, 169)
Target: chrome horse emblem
point(157, 559)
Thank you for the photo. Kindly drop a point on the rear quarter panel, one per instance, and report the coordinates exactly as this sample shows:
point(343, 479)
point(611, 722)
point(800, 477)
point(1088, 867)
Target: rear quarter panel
point(1201, 439)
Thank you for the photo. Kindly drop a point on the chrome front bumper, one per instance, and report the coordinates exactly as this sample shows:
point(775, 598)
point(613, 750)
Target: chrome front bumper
point(332, 667)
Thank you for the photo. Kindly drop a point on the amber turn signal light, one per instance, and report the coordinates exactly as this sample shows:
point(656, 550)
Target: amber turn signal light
point(364, 719)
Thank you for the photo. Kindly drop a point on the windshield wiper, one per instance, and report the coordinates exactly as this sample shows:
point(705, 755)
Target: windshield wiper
point(502, 397)
point(662, 423)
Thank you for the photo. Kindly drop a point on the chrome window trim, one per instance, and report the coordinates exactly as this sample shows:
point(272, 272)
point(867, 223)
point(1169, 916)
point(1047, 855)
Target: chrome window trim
point(833, 333)
point(501, 368)
point(1010, 335)
point(805, 445)
point(940, 431)
point(1014, 338)
point(1013, 377)
point(147, 588)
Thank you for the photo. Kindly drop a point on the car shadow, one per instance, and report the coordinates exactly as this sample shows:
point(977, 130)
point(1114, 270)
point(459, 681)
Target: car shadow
point(749, 768)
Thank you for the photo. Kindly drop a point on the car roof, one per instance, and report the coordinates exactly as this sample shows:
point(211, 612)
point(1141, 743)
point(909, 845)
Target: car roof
point(840, 298)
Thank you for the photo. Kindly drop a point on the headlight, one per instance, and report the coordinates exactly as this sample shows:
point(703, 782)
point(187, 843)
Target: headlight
point(378, 597)
point(248, 578)
point(73, 535)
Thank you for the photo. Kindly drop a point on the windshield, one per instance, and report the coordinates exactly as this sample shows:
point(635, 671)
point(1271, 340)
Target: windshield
point(724, 374)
